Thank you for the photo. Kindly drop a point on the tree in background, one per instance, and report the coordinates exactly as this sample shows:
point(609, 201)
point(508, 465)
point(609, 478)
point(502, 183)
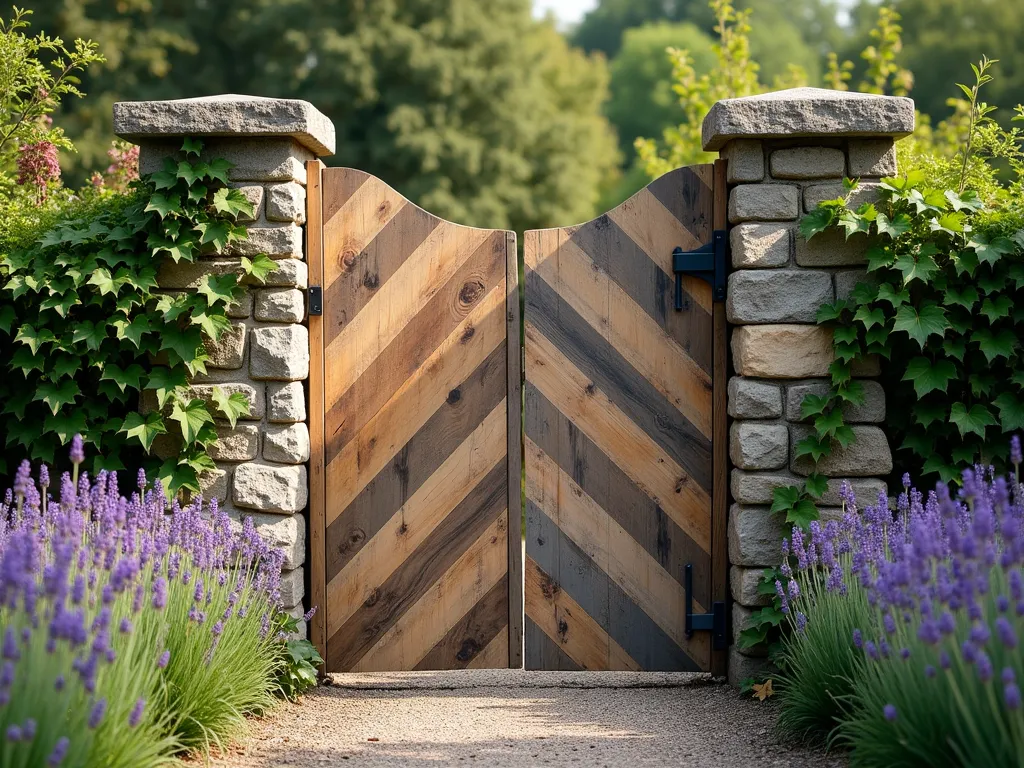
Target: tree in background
point(642, 101)
point(940, 35)
point(474, 110)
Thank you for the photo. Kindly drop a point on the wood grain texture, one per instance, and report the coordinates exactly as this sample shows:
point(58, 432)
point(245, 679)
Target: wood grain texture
point(720, 501)
point(621, 434)
point(315, 411)
point(416, 434)
point(514, 388)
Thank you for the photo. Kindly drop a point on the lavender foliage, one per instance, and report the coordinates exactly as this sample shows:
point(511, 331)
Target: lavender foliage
point(90, 629)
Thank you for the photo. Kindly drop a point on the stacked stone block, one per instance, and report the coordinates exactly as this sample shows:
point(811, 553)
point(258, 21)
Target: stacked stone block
point(786, 152)
point(261, 461)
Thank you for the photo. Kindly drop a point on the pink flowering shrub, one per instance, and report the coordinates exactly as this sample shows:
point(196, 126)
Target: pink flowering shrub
point(909, 622)
point(38, 167)
point(131, 628)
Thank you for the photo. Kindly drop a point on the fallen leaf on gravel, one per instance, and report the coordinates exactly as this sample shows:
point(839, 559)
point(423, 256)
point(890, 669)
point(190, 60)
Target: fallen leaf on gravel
point(764, 691)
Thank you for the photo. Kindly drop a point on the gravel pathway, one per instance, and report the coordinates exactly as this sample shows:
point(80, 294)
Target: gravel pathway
point(512, 718)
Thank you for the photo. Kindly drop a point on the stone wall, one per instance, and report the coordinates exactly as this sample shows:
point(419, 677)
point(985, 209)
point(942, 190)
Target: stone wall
point(787, 151)
point(261, 462)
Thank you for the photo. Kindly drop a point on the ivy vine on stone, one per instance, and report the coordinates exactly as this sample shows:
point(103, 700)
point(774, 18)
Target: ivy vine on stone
point(84, 329)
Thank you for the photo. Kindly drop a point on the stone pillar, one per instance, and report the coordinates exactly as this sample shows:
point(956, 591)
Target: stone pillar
point(787, 151)
point(261, 462)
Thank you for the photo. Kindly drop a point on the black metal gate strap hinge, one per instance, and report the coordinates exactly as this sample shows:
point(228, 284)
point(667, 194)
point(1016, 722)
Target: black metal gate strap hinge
point(316, 300)
point(707, 263)
point(714, 622)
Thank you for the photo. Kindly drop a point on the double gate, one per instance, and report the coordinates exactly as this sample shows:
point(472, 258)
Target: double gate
point(429, 451)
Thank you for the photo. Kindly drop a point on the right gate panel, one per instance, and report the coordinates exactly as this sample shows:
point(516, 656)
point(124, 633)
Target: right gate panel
point(619, 422)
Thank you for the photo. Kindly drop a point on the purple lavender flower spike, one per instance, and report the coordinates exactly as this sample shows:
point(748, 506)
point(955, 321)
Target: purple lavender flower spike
point(77, 453)
point(858, 639)
point(135, 717)
point(28, 730)
point(164, 660)
point(929, 671)
point(1011, 696)
point(99, 709)
point(13, 733)
point(60, 751)
point(1016, 456)
point(889, 711)
point(984, 667)
point(1006, 633)
point(1008, 676)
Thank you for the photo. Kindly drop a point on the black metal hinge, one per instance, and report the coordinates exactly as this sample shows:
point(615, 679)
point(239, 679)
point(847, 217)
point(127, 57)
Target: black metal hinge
point(707, 262)
point(316, 300)
point(713, 622)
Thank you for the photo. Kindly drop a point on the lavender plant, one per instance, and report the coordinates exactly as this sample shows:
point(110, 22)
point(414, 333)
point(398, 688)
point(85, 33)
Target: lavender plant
point(130, 628)
point(930, 670)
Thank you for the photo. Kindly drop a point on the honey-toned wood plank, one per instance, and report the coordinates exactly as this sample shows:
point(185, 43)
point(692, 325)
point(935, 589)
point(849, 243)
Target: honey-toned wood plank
point(348, 231)
point(458, 416)
point(619, 438)
point(563, 620)
point(475, 630)
point(720, 500)
point(452, 598)
point(616, 553)
point(315, 412)
point(630, 331)
point(357, 582)
point(417, 570)
point(416, 342)
point(514, 376)
point(426, 271)
point(363, 457)
point(495, 655)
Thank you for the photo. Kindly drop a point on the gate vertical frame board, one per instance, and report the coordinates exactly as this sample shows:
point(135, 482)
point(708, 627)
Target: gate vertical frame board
point(315, 411)
point(720, 439)
point(420, 435)
point(624, 435)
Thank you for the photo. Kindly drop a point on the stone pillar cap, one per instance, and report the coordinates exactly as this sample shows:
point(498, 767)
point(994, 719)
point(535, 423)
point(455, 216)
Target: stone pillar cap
point(226, 115)
point(807, 112)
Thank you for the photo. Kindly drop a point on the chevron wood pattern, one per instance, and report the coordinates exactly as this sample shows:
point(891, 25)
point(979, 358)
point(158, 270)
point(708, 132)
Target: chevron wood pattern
point(417, 372)
point(619, 427)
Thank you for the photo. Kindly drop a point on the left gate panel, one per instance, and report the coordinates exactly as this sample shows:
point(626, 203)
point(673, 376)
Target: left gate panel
point(418, 427)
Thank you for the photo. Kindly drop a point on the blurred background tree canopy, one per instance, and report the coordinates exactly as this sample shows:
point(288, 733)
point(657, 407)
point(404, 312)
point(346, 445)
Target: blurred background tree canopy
point(480, 112)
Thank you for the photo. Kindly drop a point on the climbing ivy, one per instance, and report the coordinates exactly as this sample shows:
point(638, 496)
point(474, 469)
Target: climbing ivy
point(84, 330)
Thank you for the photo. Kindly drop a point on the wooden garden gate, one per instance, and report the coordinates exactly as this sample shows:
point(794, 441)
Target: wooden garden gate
point(625, 433)
point(416, 407)
point(419, 347)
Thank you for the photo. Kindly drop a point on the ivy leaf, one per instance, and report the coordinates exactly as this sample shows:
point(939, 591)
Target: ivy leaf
point(898, 225)
point(191, 417)
point(182, 249)
point(997, 308)
point(163, 204)
point(955, 347)
point(965, 262)
point(133, 331)
point(831, 312)
point(896, 298)
point(878, 257)
point(218, 289)
point(990, 250)
point(973, 420)
point(965, 298)
point(920, 268)
point(952, 223)
point(197, 193)
point(163, 381)
point(869, 317)
point(767, 615)
point(92, 335)
point(62, 304)
point(813, 405)
point(259, 267)
point(845, 436)
point(936, 465)
point(143, 428)
point(214, 233)
point(856, 222)
point(16, 404)
point(232, 202)
point(816, 485)
point(183, 343)
point(192, 146)
point(927, 414)
point(7, 318)
point(104, 281)
point(65, 425)
point(63, 365)
point(213, 326)
point(928, 376)
point(845, 334)
point(784, 498)
point(930, 321)
point(34, 339)
point(967, 200)
point(218, 170)
point(231, 406)
point(814, 447)
point(995, 345)
point(129, 377)
point(163, 180)
point(1011, 411)
point(981, 383)
point(803, 513)
point(24, 360)
point(57, 396)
